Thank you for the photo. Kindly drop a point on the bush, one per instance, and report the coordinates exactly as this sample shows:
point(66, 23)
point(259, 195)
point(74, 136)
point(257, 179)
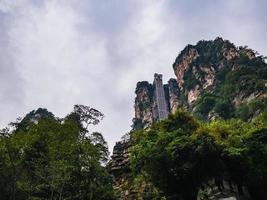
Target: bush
point(179, 155)
point(224, 108)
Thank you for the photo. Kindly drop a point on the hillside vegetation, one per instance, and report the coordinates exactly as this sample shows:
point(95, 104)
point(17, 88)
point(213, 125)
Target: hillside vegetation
point(179, 156)
point(218, 79)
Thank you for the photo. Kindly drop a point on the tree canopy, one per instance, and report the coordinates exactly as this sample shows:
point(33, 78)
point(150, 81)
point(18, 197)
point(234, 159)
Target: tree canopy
point(52, 158)
point(179, 155)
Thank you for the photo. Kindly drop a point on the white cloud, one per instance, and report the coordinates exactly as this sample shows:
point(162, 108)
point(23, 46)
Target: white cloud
point(8, 6)
point(57, 53)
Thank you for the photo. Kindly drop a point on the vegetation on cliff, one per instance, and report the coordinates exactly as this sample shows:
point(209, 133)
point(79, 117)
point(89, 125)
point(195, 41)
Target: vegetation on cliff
point(215, 77)
point(216, 147)
point(180, 155)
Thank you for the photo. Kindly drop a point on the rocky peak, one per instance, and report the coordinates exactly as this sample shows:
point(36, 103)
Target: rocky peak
point(174, 100)
point(208, 68)
point(120, 158)
point(143, 105)
point(34, 117)
point(198, 62)
point(152, 102)
point(183, 62)
point(213, 79)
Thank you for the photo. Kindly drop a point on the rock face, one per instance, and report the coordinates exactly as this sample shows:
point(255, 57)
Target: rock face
point(223, 191)
point(182, 64)
point(173, 95)
point(152, 102)
point(210, 75)
point(196, 67)
point(212, 72)
point(213, 79)
point(119, 167)
point(120, 158)
point(143, 105)
point(151, 105)
point(223, 72)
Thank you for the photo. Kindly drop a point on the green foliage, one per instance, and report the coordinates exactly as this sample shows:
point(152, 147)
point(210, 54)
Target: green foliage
point(190, 79)
point(240, 74)
point(179, 155)
point(137, 124)
point(257, 162)
point(248, 76)
point(247, 111)
point(49, 159)
point(147, 191)
point(224, 108)
point(205, 104)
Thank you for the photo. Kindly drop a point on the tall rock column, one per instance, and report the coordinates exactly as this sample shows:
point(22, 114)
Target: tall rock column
point(173, 95)
point(143, 105)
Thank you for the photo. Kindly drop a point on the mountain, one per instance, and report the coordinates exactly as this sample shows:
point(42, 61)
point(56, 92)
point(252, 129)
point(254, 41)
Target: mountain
point(34, 117)
point(218, 79)
point(214, 80)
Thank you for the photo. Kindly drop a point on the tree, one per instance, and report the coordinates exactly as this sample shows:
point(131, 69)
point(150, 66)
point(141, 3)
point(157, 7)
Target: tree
point(224, 108)
point(180, 155)
point(86, 116)
point(99, 142)
point(49, 160)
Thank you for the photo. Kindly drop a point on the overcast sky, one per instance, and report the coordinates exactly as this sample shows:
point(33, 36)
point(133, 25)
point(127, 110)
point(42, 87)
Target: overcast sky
point(57, 53)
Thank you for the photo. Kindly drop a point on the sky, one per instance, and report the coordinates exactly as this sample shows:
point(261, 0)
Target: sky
point(58, 53)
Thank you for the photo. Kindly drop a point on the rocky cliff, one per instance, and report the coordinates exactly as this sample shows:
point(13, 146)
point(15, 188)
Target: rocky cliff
point(33, 117)
point(214, 79)
point(119, 167)
point(146, 103)
point(174, 93)
point(143, 105)
point(218, 79)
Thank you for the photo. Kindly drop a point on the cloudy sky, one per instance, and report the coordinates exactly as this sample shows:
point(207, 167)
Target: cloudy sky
point(57, 53)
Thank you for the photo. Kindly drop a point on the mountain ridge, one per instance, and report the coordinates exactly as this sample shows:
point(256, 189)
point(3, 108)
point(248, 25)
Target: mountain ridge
point(214, 72)
point(214, 80)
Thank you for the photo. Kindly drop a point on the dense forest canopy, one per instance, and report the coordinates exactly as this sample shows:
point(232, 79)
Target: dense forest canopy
point(43, 157)
point(180, 155)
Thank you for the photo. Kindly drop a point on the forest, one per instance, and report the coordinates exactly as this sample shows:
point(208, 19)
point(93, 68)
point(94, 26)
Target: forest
point(177, 157)
point(45, 157)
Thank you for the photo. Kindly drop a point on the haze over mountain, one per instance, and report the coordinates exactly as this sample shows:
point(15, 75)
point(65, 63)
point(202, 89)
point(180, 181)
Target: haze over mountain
point(55, 54)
